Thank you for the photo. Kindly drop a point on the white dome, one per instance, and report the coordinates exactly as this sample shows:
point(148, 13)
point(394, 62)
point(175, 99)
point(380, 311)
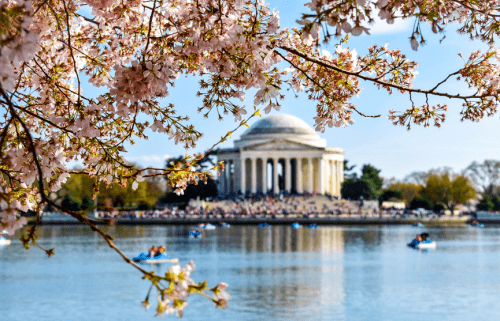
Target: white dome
point(277, 127)
point(280, 124)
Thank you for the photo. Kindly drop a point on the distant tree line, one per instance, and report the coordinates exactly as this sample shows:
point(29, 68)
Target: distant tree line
point(486, 178)
point(76, 195)
point(368, 186)
point(434, 190)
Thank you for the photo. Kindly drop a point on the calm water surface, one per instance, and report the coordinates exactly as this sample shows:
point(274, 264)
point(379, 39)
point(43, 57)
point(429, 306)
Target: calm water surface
point(278, 273)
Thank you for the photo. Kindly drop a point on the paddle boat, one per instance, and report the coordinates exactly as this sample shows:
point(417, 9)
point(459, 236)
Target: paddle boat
point(313, 225)
point(421, 242)
point(426, 245)
point(418, 224)
point(195, 233)
point(224, 224)
point(152, 257)
point(264, 225)
point(476, 224)
point(209, 226)
point(295, 225)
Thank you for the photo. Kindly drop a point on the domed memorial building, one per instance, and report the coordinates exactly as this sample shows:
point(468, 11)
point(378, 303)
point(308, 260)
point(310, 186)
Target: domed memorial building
point(281, 153)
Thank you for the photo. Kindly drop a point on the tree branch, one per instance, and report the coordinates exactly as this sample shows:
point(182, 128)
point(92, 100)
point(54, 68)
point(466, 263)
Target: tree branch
point(375, 80)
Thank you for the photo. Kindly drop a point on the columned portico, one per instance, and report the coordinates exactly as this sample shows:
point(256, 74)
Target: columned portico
point(298, 159)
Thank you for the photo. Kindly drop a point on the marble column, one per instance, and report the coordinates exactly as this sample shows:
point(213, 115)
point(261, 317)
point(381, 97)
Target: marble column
point(288, 175)
point(226, 176)
point(321, 178)
point(243, 177)
point(337, 178)
point(254, 175)
point(333, 168)
point(232, 173)
point(340, 171)
point(332, 178)
point(229, 177)
point(276, 186)
point(298, 175)
point(310, 175)
point(264, 175)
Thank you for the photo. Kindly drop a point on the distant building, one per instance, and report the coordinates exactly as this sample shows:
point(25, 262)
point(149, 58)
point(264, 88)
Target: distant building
point(281, 153)
point(396, 205)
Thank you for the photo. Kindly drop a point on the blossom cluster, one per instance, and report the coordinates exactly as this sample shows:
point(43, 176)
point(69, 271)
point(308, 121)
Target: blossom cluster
point(332, 79)
point(481, 73)
point(18, 43)
point(478, 19)
point(172, 299)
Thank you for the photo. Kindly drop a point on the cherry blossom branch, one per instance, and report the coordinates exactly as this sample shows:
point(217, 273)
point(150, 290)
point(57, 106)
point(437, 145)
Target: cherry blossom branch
point(40, 6)
point(31, 235)
point(46, 199)
point(486, 12)
point(28, 136)
point(59, 87)
point(321, 86)
point(444, 80)
point(3, 135)
point(378, 81)
point(68, 26)
point(63, 129)
point(149, 30)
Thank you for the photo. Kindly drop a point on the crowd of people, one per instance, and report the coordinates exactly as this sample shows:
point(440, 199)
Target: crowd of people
point(259, 206)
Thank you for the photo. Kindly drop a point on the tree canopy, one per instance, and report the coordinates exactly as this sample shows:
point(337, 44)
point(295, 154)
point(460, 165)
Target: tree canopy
point(408, 191)
point(367, 186)
point(76, 195)
point(485, 176)
point(441, 189)
point(134, 51)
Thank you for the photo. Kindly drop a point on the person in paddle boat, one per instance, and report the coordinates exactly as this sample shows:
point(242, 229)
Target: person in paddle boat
point(155, 251)
point(425, 239)
point(161, 250)
point(477, 224)
point(152, 251)
point(415, 241)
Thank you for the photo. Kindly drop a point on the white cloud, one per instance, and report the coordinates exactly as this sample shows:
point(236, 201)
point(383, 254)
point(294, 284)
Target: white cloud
point(381, 27)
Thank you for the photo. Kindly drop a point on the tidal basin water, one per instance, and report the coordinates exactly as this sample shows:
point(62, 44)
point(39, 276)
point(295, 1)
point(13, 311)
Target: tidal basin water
point(277, 273)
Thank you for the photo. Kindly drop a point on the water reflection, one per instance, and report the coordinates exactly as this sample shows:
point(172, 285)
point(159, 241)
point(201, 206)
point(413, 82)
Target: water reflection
point(287, 239)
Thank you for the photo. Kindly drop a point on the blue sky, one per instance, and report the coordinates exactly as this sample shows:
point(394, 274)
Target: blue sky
point(394, 150)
